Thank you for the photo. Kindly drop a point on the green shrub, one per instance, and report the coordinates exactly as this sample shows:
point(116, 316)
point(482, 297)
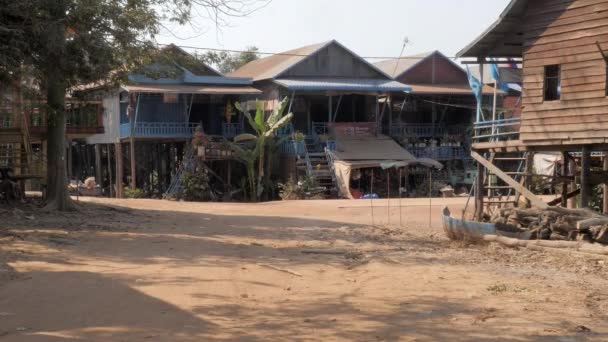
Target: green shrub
point(133, 193)
point(195, 186)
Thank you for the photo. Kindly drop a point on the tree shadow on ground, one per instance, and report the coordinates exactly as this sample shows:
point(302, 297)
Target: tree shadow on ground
point(115, 303)
point(96, 308)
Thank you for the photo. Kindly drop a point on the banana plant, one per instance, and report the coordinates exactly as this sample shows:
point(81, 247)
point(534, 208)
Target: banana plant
point(255, 150)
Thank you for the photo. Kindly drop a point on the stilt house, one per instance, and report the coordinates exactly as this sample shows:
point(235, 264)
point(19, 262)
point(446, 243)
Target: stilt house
point(435, 118)
point(151, 120)
point(563, 46)
point(337, 97)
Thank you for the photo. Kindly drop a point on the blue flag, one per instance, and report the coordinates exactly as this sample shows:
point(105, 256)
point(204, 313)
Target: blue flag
point(477, 89)
point(475, 85)
point(495, 73)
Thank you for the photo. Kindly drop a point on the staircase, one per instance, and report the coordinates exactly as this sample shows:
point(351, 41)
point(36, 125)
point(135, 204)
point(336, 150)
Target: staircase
point(515, 174)
point(515, 165)
point(313, 162)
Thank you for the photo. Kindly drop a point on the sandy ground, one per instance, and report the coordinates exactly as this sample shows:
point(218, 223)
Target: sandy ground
point(145, 270)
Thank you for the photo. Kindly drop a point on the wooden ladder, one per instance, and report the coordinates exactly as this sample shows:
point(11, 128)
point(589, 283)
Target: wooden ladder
point(517, 182)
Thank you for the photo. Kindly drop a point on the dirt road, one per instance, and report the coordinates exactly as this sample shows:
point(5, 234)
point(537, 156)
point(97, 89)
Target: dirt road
point(168, 271)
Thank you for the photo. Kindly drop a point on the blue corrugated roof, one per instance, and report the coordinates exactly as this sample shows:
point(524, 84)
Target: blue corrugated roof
point(341, 84)
point(187, 77)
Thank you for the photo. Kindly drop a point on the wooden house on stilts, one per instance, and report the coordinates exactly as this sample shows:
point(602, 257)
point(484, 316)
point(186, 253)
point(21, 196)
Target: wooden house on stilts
point(563, 46)
point(150, 123)
point(341, 105)
point(434, 118)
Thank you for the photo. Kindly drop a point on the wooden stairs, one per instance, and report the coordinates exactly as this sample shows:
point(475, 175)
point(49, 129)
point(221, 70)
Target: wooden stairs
point(314, 163)
point(515, 176)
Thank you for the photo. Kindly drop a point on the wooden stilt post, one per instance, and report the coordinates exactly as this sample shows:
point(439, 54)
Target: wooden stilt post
point(605, 199)
point(109, 150)
point(133, 160)
point(330, 110)
point(528, 176)
point(119, 169)
point(565, 183)
point(229, 175)
point(69, 159)
point(390, 114)
point(572, 172)
point(479, 193)
point(98, 173)
point(585, 185)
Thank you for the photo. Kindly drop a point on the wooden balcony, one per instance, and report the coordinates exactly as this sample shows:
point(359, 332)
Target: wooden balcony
point(231, 130)
point(497, 130)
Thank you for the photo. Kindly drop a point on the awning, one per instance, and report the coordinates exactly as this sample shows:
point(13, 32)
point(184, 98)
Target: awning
point(369, 152)
point(190, 89)
point(449, 89)
point(342, 84)
point(504, 38)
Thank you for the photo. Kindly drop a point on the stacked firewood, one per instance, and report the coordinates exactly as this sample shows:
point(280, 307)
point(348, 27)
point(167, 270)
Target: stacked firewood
point(553, 223)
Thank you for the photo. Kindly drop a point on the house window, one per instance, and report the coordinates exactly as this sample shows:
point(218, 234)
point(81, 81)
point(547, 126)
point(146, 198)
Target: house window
point(553, 87)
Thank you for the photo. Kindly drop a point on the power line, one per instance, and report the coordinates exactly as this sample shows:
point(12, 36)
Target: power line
point(286, 53)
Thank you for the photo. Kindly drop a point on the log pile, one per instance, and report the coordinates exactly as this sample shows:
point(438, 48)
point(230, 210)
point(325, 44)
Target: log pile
point(553, 223)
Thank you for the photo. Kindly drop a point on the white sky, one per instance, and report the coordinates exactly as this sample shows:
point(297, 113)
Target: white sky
point(369, 28)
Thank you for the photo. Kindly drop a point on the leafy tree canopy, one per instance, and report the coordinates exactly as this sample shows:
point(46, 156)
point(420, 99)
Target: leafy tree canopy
point(63, 43)
point(228, 62)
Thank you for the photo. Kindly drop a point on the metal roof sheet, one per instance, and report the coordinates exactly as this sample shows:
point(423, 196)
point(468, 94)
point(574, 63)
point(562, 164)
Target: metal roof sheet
point(341, 84)
point(192, 89)
point(396, 67)
point(504, 38)
point(190, 78)
point(271, 66)
point(274, 66)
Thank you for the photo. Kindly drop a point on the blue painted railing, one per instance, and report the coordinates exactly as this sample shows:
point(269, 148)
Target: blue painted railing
point(231, 130)
point(416, 130)
point(440, 153)
point(286, 130)
point(503, 129)
point(158, 130)
point(331, 145)
point(293, 147)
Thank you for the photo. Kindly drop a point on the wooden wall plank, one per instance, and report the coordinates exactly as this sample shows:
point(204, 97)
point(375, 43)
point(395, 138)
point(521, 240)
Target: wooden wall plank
point(565, 32)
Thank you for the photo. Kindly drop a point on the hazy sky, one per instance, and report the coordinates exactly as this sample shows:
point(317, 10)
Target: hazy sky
point(370, 28)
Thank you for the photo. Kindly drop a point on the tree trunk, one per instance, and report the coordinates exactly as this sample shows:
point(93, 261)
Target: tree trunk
point(56, 85)
point(251, 177)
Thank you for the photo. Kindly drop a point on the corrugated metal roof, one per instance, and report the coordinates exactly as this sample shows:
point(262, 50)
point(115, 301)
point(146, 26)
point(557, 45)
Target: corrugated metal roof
point(504, 38)
point(271, 66)
point(191, 89)
point(396, 67)
point(189, 78)
point(274, 66)
point(341, 84)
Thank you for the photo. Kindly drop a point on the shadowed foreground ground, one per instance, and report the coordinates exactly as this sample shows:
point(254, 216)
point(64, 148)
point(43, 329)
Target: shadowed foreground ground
point(148, 270)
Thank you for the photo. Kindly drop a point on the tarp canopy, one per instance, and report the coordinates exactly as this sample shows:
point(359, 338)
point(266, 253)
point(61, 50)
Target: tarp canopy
point(370, 152)
point(342, 84)
point(192, 89)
